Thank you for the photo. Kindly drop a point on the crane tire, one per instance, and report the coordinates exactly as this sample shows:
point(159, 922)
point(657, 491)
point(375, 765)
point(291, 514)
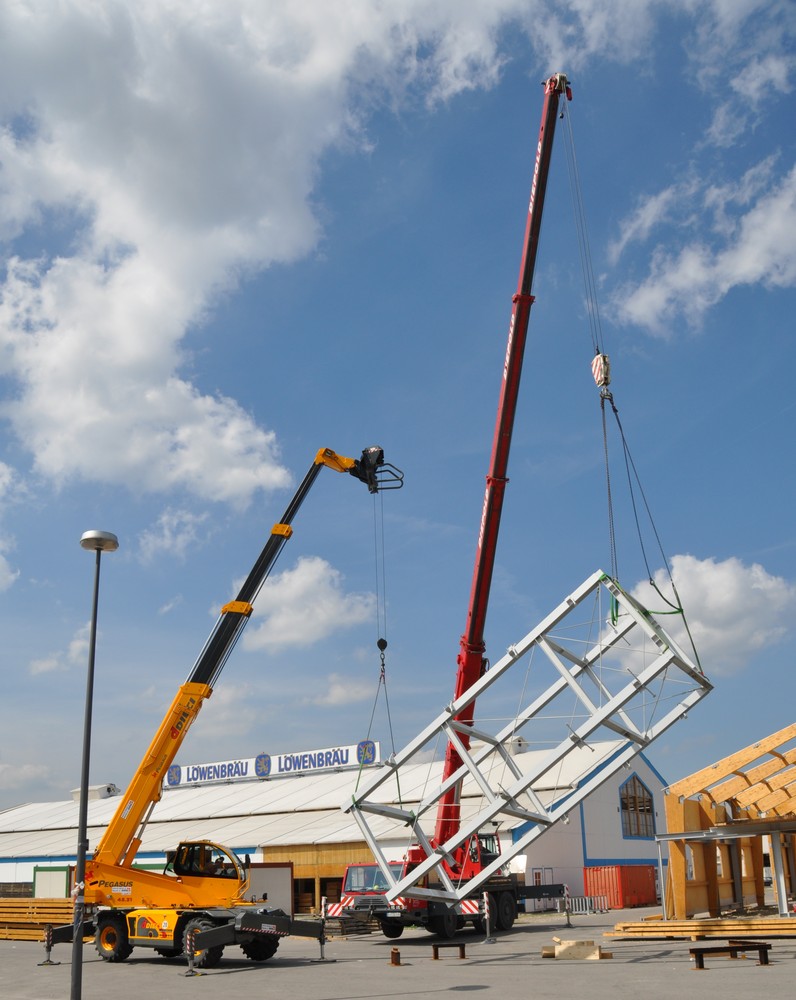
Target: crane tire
point(506, 911)
point(260, 949)
point(444, 925)
point(110, 939)
point(208, 958)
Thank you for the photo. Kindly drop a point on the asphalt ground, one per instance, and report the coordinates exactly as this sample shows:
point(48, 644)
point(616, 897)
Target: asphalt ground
point(363, 967)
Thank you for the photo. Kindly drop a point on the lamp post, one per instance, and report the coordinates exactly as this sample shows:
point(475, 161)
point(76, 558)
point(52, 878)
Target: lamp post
point(99, 542)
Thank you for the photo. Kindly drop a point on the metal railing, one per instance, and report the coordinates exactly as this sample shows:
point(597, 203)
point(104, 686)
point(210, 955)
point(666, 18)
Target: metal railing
point(583, 904)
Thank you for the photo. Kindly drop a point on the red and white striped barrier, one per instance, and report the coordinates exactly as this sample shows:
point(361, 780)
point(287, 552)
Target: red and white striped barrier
point(336, 909)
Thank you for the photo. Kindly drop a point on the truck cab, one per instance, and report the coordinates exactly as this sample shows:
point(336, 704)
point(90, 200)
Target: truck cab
point(204, 858)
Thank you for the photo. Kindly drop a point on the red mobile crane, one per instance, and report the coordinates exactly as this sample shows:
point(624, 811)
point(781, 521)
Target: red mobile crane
point(470, 858)
point(471, 646)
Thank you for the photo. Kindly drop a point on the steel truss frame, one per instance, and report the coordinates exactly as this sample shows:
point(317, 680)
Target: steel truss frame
point(630, 683)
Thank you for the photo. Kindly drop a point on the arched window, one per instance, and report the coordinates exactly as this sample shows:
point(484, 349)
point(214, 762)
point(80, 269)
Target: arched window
point(637, 809)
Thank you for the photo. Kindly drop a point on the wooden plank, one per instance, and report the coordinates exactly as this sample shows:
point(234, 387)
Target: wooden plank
point(781, 799)
point(21, 934)
point(25, 919)
point(582, 950)
point(740, 784)
point(702, 780)
point(735, 927)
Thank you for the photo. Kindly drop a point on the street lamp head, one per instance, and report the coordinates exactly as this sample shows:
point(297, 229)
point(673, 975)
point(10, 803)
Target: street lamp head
point(99, 541)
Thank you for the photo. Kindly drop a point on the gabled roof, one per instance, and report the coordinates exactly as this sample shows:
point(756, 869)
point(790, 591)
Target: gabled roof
point(247, 814)
point(760, 779)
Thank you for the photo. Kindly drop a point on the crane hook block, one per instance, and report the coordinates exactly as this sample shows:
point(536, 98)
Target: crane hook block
point(601, 369)
point(375, 472)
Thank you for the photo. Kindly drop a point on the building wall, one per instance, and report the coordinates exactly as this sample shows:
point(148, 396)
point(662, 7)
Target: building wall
point(19, 871)
point(558, 854)
point(593, 836)
point(318, 870)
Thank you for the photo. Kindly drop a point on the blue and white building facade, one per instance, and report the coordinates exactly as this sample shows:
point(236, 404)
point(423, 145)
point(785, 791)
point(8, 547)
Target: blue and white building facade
point(265, 803)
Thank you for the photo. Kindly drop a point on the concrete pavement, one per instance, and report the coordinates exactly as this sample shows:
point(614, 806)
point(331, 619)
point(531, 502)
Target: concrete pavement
point(360, 968)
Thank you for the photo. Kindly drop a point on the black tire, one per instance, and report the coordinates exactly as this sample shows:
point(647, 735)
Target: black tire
point(208, 958)
point(110, 938)
point(506, 911)
point(169, 952)
point(391, 928)
point(260, 949)
point(444, 925)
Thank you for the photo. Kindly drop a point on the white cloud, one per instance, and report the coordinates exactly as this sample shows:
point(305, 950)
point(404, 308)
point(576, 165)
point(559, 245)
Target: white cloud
point(304, 605)
point(18, 776)
point(8, 481)
point(169, 606)
point(745, 53)
point(95, 348)
point(734, 611)
point(169, 149)
point(176, 532)
point(75, 653)
point(8, 575)
point(722, 199)
point(651, 212)
point(11, 490)
point(231, 708)
point(568, 35)
point(340, 690)
point(775, 68)
point(759, 247)
point(45, 665)
point(743, 60)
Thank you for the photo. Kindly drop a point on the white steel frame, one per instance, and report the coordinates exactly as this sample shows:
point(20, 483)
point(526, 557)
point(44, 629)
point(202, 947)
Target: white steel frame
point(632, 704)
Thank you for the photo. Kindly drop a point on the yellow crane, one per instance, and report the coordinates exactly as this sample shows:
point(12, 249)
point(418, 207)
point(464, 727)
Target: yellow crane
point(203, 885)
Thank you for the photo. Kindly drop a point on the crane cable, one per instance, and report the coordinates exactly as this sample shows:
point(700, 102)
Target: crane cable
point(630, 467)
point(601, 371)
point(584, 249)
point(381, 624)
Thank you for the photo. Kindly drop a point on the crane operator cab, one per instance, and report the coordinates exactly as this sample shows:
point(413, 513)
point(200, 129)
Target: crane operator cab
point(205, 859)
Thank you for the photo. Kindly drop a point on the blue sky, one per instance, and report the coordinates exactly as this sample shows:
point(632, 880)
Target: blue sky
point(232, 235)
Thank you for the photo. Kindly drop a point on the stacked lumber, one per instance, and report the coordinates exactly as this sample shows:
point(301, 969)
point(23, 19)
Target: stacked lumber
point(351, 926)
point(699, 929)
point(25, 919)
point(587, 950)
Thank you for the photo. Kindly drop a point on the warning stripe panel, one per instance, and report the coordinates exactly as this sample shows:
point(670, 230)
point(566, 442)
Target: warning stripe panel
point(335, 909)
point(601, 369)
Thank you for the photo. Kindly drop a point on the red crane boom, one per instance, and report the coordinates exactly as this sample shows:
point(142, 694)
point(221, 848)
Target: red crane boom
point(471, 663)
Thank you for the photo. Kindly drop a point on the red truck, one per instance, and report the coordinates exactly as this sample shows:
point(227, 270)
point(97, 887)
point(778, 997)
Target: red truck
point(365, 885)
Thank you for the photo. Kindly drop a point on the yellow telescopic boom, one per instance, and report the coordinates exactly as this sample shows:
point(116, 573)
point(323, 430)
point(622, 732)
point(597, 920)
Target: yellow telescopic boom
point(122, 837)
